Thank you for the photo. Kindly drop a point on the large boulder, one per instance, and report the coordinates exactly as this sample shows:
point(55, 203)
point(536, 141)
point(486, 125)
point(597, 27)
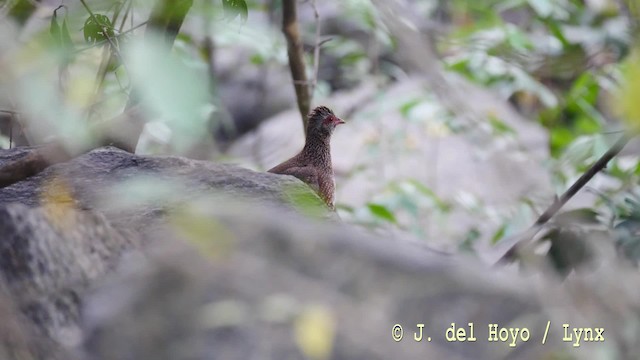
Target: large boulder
point(104, 263)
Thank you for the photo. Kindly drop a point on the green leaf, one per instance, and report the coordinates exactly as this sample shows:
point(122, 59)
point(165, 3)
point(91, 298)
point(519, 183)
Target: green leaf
point(97, 28)
point(381, 212)
point(626, 98)
point(407, 106)
point(67, 43)
point(306, 201)
point(499, 127)
point(171, 89)
point(441, 204)
point(586, 88)
point(61, 37)
point(499, 234)
point(233, 8)
point(55, 31)
point(257, 59)
point(561, 137)
point(518, 39)
point(555, 29)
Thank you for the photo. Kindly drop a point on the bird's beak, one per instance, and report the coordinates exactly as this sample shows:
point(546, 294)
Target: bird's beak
point(339, 121)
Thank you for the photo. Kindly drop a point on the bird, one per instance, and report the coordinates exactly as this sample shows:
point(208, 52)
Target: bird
point(312, 165)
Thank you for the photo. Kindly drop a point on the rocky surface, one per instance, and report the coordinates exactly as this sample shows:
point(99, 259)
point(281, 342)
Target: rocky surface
point(93, 269)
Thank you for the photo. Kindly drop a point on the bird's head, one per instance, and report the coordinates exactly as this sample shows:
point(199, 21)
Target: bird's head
point(322, 121)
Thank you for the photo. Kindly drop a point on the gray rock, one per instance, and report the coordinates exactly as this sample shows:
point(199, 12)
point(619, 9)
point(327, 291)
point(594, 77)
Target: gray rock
point(94, 181)
point(55, 241)
point(18, 340)
point(246, 296)
point(49, 257)
point(99, 271)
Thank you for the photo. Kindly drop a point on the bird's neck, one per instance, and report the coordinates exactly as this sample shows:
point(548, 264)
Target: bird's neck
point(317, 149)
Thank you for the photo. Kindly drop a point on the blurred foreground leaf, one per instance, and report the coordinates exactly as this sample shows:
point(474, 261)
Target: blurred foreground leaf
point(170, 89)
point(58, 202)
point(61, 36)
point(315, 332)
point(306, 201)
point(209, 236)
point(233, 8)
point(627, 101)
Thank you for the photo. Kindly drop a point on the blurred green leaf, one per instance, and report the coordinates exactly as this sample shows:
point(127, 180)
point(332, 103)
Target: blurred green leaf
point(257, 59)
point(55, 31)
point(61, 37)
point(626, 99)
point(499, 127)
point(97, 28)
point(382, 212)
point(171, 89)
point(561, 137)
point(584, 88)
point(470, 239)
point(407, 106)
point(233, 8)
point(518, 40)
point(555, 30)
point(306, 201)
point(67, 43)
point(441, 204)
point(499, 234)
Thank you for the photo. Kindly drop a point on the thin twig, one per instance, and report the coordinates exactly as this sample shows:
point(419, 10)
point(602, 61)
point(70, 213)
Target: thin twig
point(583, 180)
point(98, 43)
point(126, 15)
point(107, 56)
point(316, 51)
point(515, 244)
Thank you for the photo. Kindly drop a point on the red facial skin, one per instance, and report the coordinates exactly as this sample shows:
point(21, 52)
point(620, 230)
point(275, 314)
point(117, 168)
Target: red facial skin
point(333, 120)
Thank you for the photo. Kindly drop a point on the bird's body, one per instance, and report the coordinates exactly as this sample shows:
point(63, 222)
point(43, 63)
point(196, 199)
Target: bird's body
point(312, 164)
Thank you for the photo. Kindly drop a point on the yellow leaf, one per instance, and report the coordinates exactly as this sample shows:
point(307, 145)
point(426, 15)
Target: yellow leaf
point(626, 100)
point(315, 332)
point(211, 237)
point(58, 202)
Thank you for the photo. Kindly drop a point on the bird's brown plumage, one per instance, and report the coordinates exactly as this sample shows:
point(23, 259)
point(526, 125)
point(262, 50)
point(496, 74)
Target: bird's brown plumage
point(312, 164)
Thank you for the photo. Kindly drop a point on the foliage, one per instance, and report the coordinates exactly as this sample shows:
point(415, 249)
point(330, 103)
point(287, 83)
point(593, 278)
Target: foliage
point(234, 8)
point(563, 64)
point(97, 28)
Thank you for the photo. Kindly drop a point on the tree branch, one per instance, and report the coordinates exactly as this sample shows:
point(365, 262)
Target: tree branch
point(583, 180)
point(296, 58)
point(515, 244)
point(316, 50)
point(99, 43)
